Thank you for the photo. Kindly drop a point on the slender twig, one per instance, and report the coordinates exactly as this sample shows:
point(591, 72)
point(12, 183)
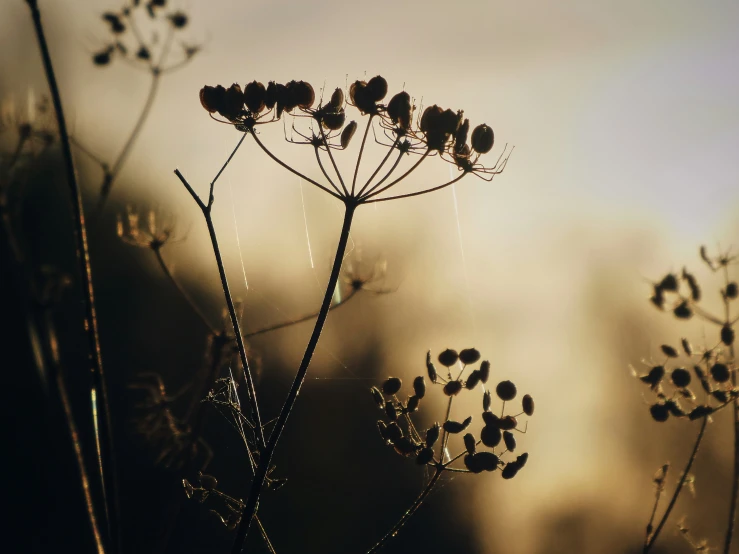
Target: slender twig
point(265, 459)
point(374, 191)
point(417, 193)
point(333, 162)
point(361, 151)
point(649, 542)
point(106, 454)
point(206, 209)
point(409, 513)
point(382, 163)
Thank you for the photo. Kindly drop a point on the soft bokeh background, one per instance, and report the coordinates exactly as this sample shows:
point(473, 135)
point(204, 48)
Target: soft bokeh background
point(625, 122)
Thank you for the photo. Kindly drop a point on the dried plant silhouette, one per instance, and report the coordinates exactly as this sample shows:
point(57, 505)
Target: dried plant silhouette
point(436, 133)
point(713, 367)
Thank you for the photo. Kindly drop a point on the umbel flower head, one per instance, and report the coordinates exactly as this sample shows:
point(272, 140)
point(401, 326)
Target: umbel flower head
point(323, 124)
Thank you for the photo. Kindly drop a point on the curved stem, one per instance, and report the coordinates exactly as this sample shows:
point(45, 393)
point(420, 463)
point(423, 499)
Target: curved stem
point(323, 170)
point(374, 192)
point(115, 169)
point(265, 458)
point(333, 162)
point(106, 453)
point(409, 513)
point(420, 192)
point(382, 163)
point(361, 151)
point(300, 319)
point(651, 539)
point(290, 169)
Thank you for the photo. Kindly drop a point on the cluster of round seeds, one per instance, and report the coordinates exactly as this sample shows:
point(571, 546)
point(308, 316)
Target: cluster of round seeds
point(120, 22)
point(398, 430)
point(438, 130)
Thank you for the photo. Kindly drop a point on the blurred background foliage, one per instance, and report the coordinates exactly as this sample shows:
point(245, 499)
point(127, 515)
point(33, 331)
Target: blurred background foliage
point(626, 125)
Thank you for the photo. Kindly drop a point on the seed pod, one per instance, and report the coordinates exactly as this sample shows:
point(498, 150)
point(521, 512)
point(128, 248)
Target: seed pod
point(469, 356)
point(687, 348)
point(304, 94)
point(507, 423)
point(143, 53)
point(487, 399)
point(254, 94)
point(699, 412)
point(377, 397)
point(211, 98)
point(455, 427)
point(452, 388)
point(337, 100)
point(695, 291)
point(727, 335)
point(382, 428)
point(270, 95)
point(721, 395)
point(377, 88)
point(348, 133)
point(522, 459)
point(391, 385)
point(431, 119)
point(360, 97)
point(509, 440)
point(528, 405)
point(450, 121)
point(208, 482)
point(506, 390)
point(659, 412)
point(233, 102)
point(333, 121)
point(720, 373)
point(430, 367)
point(669, 282)
point(702, 378)
point(687, 394)
point(469, 443)
point(490, 419)
point(488, 460)
point(705, 258)
point(658, 298)
point(391, 412)
point(490, 436)
point(482, 139)
point(683, 311)
point(432, 435)
point(399, 110)
point(405, 447)
point(425, 456)
point(473, 380)
point(510, 470)
point(419, 386)
point(484, 371)
point(448, 358)
point(732, 291)
point(178, 20)
point(412, 404)
point(474, 464)
point(394, 432)
point(654, 377)
point(680, 377)
point(460, 137)
point(669, 351)
point(674, 408)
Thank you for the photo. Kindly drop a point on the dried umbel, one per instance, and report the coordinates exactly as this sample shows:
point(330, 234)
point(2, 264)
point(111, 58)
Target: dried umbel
point(497, 429)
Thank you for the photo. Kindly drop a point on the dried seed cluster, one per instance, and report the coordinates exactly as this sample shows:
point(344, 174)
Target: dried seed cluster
point(132, 46)
point(435, 130)
point(398, 430)
point(713, 367)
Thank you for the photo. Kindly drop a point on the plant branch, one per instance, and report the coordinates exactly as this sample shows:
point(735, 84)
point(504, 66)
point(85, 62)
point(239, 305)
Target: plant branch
point(361, 151)
point(649, 542)
point(380, 166)
point(106, 453)
point(409, 513)
point(374, 191)
point(333, 162)
point(265, 459)
point(418, 193)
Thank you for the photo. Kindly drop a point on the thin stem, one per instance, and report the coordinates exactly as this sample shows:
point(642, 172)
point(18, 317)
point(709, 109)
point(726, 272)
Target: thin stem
point(361, 151)
point(300, 319)
point(735, 481)
point(106, 453)
point(420, 192)
point(265, 459)
point(333, 162)
point(291, 170)
point(115, 169)
point(374, 191)
point(409, 513)
point(325, 173)
point(444, 435)
point(382, 163)
point(649, 542)
point(182, 291)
